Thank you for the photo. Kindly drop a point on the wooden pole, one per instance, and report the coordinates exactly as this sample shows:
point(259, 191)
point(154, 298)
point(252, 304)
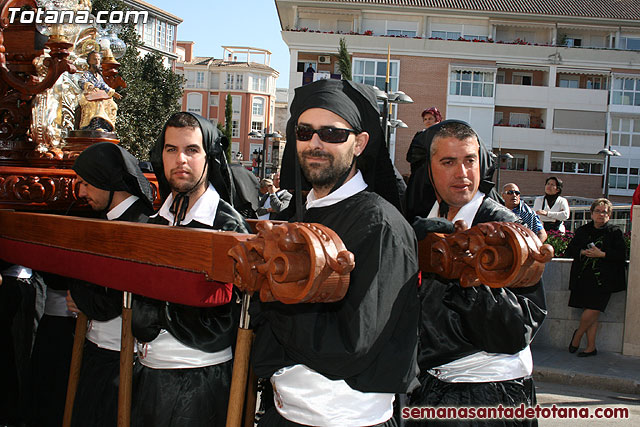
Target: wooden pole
point(126, 364)
point(74, 370)
point(252, 396)
point(240, 367)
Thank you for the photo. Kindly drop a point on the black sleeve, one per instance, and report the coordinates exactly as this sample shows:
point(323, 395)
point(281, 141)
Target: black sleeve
point(147, 318)
point(498, 320)
point(97, 302)
point(614, 246)
point(208, 329)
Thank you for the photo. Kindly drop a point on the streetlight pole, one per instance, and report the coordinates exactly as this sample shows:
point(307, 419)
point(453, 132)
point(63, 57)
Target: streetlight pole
point(501, 156)
point(607, 163)
point(262, 172)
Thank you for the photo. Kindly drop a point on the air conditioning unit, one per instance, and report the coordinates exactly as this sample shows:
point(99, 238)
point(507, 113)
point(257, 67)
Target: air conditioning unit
point(325, 59)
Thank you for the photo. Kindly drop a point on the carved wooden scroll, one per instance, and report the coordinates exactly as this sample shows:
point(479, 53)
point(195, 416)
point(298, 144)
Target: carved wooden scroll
point(293, 263)
point(497, 254)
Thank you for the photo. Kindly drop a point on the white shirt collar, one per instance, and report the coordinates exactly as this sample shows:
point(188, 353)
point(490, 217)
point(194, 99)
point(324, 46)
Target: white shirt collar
point(346, 190)
point(121, 208)
point(203, 211)
point(467, 212)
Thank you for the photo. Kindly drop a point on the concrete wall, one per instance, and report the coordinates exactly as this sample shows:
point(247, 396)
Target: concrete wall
point(562, 320)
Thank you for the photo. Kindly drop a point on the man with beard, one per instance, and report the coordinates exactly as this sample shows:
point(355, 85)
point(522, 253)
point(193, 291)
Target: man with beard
point(185, 352)
point(111, 182)
point(98, 108)
point(341, 363)
point(474, 342)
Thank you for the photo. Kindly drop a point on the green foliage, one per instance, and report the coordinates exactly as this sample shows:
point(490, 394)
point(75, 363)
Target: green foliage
point(344, 60)
point(152, 94)
point(228, 125)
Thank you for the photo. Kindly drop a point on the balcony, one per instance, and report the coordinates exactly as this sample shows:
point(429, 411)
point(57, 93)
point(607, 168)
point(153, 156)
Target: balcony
point(519, 137)
point(551, 97)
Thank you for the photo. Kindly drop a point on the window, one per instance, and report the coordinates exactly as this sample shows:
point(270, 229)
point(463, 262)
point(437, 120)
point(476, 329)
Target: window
point(149, 28)
point(161, 35)
point(258, 107)
point(239, 78)
point(373, 72)
point(229, 84)
point(520, 119)
point(194, 103)
point(200, 79)
point(626, 91)
point(213, 100)
point(259, 84)
point(304, 66)
point(471, 83)
point(500, 77)
point(446, 35)
point(583, 166)
point(594, 83)
point(498, 118)
point(525, 79)
point(235, 128)
point(630, 43)
point(344, 26)
point(572, 42)
point(191, 79)
point(625, 132)
point(258, 126)
point(171, 30)
point(517, 163)
point(236, 105)
point(472, 37)
point(401, 33)
point(569, 81)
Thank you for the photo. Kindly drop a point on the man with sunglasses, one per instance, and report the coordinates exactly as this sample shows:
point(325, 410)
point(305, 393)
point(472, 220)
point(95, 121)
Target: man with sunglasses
point(342, 363)
point(511, 196)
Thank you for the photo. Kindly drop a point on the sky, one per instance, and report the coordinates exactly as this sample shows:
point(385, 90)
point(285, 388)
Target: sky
point(214, 23)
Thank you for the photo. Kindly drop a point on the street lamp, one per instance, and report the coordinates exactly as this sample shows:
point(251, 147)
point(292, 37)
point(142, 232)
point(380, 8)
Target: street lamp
point(500, 156)
point(607, 163)
point(264, 136)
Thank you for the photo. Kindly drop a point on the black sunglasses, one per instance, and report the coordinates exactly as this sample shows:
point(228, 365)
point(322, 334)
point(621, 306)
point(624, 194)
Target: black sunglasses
point(510, 192)
point(330, 135)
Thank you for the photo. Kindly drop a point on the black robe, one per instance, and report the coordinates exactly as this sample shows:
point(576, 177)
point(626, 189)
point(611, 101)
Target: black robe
point(469, 320)
point(593, 280)
point(96, 402)
point(457, 322)
point(369, 337)
point(187, 397)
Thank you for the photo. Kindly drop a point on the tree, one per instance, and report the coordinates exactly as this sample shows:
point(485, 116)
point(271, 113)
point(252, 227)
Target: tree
point(228, 124)
point(344, 60)
point(152, 94)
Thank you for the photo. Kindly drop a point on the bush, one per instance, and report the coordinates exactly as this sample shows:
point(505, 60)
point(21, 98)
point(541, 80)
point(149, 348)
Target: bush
point(559, 241)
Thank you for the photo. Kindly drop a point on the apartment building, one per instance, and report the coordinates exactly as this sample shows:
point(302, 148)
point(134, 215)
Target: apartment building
point(550, 82)
point(159, 33)
point(245, 74)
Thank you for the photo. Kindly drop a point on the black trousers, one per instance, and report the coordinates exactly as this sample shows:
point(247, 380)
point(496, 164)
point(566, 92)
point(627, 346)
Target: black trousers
point(435, 393)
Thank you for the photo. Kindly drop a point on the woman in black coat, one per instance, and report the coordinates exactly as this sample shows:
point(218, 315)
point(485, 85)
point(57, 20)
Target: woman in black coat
point(598, 252)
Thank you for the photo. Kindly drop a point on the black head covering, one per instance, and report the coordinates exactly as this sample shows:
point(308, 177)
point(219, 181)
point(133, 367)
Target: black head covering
point(421, 195)
point(214, 144)
point(110, 167)
point(356, 103)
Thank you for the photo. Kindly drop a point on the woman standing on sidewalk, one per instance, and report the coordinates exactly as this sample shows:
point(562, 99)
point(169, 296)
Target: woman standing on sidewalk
point(598, 252)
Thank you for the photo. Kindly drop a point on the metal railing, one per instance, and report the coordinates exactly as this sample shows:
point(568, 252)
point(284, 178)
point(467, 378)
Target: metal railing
point(581, 214)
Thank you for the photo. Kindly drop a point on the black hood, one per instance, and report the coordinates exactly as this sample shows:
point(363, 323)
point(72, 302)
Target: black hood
point(421, 195)
point(110, 167)
point(215, 145)
point(356, 103)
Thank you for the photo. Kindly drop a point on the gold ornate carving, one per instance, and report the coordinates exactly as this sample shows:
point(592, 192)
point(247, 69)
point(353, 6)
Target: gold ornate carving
point(293, 263)
point(497, 254)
